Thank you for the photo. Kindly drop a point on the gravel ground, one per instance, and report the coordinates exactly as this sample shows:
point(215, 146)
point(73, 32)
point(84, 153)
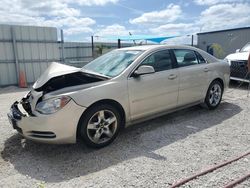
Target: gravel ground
point(151, 154)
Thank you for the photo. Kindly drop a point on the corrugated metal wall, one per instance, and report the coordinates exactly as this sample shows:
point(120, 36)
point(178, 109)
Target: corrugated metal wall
point(27, 48)
point(7, 60)
point(30, 50)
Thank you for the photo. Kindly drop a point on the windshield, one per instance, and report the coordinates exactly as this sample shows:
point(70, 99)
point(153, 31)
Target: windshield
point(112, 63)
point(246, 48)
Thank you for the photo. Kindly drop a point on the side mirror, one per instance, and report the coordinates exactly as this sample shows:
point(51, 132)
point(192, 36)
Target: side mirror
point(237, 51)
point(144, 69)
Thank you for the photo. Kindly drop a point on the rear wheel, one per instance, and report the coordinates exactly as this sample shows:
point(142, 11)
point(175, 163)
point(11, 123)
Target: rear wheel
point(214, 95)
point(100, 125)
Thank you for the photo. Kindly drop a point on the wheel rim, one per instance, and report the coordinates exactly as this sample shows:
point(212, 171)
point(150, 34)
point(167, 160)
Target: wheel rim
point(102, 126)
point(215, 95)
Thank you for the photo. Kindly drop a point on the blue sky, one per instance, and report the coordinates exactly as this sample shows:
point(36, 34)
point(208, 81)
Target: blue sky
point(83, 18)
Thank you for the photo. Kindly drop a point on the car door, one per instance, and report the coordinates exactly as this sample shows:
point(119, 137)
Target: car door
point(193, 76)
point(156, 92)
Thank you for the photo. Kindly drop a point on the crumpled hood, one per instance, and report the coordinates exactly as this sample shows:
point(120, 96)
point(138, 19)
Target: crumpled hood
point(54, 70)
point(238, 56)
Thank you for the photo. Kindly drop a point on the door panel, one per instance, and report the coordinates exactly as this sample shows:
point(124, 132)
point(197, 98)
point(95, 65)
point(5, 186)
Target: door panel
point(193, 83)
point(152, 93)
point(156, 92)
point(193, 72)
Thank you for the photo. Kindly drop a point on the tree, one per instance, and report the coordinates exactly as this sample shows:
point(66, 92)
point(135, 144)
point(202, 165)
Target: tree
point(218, 50)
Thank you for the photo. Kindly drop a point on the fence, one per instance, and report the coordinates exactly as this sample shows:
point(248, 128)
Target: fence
point(29, 50)
point(26, 49)
point(79, 53)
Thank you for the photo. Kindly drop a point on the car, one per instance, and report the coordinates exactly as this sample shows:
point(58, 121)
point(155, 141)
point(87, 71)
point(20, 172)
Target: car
point(238, 64)
point(123, 87)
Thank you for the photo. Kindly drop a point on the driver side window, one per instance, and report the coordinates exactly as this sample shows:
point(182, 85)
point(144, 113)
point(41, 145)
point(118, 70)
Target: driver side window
point(159, 60)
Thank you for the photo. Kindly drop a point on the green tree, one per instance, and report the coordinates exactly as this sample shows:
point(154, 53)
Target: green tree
point(218, 50)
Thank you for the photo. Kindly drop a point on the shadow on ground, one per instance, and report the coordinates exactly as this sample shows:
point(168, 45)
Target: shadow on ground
point(239, 85)
point(56, 163)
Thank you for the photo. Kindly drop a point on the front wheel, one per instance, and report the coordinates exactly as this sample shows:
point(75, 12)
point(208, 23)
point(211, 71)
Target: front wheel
point(100, 125)
point(214, 95)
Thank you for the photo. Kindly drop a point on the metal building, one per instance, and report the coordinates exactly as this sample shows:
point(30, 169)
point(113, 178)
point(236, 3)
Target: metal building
point(223, 42)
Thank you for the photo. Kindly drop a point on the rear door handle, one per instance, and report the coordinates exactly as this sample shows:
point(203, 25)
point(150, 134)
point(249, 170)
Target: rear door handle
point(172, 76)
point(205, 69)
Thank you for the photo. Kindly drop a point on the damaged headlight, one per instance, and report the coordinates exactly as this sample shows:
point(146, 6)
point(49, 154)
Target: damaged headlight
point(52, 105)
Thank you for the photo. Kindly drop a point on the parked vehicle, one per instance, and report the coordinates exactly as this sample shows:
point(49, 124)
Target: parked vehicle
point(120, 88)
point(238, 64)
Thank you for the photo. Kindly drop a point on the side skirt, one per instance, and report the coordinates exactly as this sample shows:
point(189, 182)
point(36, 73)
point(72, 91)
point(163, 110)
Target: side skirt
point(153, 116)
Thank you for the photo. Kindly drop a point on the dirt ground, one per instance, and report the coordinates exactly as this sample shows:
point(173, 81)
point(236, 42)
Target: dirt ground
point(151, 154)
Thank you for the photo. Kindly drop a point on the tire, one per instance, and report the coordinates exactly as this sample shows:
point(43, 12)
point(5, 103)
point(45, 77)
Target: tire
point(100, 125)
point(214, 95)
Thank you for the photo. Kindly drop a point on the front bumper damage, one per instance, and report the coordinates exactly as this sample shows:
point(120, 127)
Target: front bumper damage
point(57, 128)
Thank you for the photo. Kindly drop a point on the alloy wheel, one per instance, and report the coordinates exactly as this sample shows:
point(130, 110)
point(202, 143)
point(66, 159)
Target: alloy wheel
point(215, 95)
point(102, 126)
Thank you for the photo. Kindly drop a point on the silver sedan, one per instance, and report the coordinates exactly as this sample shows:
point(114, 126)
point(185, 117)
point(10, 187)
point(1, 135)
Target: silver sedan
point(118, 89)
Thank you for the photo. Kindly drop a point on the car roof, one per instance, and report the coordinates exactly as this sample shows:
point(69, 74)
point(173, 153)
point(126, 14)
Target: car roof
point(151, 47)
point(207, 56)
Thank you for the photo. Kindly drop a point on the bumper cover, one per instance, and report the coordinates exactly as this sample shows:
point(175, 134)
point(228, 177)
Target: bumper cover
point(57, 128)
point(240, 79)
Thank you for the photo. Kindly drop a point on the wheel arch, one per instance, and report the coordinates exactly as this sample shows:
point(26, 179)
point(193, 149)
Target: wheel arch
point(215, 79)
point(112, 102)
point(206, 102)
point(219, 80)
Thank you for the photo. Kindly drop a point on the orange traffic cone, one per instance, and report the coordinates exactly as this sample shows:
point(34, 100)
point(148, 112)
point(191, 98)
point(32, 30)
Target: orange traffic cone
point(22, 80)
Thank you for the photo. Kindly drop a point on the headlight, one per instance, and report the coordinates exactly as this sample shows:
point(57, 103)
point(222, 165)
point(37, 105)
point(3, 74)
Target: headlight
point(52, 105)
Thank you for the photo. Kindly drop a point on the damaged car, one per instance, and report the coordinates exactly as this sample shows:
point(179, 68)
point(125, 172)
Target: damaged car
point(123, 87)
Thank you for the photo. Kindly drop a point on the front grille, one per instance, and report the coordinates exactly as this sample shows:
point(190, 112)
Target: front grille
point(16, 113)
point(42, 134)
point(239, 69)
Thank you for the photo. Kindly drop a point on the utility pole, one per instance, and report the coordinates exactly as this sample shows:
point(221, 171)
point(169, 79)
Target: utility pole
point(119, 43)
point(62, 46)
point(192, 40)
point(92, 45)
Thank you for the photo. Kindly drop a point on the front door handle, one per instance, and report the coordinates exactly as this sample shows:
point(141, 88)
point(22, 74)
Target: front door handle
point(172, 76)
point(206, 69)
